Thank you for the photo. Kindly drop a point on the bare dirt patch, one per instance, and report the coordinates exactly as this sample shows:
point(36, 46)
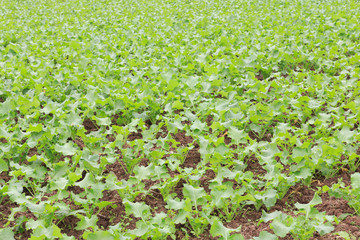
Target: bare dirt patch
point(68, 225)
point(193, 157)
point(135, 135)
point(112, 214)
point(79, 142)
point(254, 166)
point(248, 219)
point(5, 210)
point(182, 138)
point(118, 168)
point(206, 178)
point(90, 126)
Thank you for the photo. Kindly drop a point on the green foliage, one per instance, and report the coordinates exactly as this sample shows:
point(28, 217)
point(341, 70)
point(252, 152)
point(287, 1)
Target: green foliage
point(303, 226)
point(206, 108)
point(218, 229)
point(349, 193)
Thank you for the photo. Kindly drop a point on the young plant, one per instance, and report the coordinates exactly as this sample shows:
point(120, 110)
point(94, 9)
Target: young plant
point(196, 199)
point(350, 193)
point(305, 224)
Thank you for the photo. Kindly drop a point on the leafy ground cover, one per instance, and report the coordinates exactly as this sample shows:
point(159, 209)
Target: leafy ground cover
point(179, 119)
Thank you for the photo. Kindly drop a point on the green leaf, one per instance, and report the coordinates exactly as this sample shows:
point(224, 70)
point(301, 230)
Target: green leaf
point(35, 128)
point(142, 172)
point(345, 135)
point(141, 229)
point(351, 105)
point(280, 228)
point(6, 107)
point(172, 84)
point(3, 166)
point(271, 216)
point(74, 119)
point(42, 237)
point(66, 149)
point(6, 233)
point(181, 217)
point(198, 125)
point(221, 192)
point(103, 121)
point(100, 235)
point(312, 104)
point(61, 183)
point(239, 136)
point(87, 182)
point(315, 201)
point(218, 229)
point(50, 232)
point(324, 228)
point(269, 197)
point(236, 236)
point(266, 236)
point(309, 207)
point(193, 193)
point(86, 222)
point(177, 105)
point(345, 235)
point(355, 180)
point(175, 204)
point(56, 231)
point(138, 209)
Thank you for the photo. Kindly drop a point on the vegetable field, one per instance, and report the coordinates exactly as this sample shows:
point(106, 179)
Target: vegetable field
point(179, 119)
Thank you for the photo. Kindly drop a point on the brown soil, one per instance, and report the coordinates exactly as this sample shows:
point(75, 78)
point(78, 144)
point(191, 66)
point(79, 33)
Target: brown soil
point(254, 166)
point(205, 180)
point(76, 189)
point(193, 156)
point(25, 234)
point(68, 225)
point(227, 140)
point(248, 220)
point(90, 126)
point(192, 159)
point(118, 168)
point(182, 228)
point(4, 176)
point(5, 210)
point(32, 152)
point(135, 135)
point(337, 207)
point(209, 120)
point(254, 136)
point(144, 162)
point(111, 215)
point(162, 133)
point(259, 76)
point(111, 138)
point(182, 138)
point(79, 142)
point(154, 200)
point(179, 189)
point(114, 118)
